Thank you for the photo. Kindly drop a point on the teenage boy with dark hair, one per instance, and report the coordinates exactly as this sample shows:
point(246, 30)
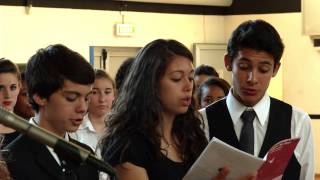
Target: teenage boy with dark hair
point(253, 57)
point(59, 84)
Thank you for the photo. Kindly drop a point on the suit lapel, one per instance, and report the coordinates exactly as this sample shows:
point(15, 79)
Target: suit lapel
point(46, 161)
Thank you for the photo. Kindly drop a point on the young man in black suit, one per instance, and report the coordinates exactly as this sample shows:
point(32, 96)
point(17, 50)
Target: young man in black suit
point(254, 52)
point(59, 84)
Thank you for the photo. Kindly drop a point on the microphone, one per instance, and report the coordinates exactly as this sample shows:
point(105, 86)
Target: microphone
point(71, 150)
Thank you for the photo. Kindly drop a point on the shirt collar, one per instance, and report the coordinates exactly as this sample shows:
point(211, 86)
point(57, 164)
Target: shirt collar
point(236, 108)
point(35, 121)
point(86, 124)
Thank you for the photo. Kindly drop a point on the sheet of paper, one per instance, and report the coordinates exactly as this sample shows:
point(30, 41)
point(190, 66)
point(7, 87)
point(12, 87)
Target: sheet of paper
point(219, 154)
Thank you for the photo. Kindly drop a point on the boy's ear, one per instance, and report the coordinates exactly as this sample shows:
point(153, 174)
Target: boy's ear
point(39, 100)
point(227, 62)
point(276, 69)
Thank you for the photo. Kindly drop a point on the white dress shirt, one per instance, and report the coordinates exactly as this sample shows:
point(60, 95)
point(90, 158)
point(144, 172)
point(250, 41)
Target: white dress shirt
point(86, 134)
point(300, 127)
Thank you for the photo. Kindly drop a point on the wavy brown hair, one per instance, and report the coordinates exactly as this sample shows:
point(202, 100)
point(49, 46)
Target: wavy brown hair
point(138, 107)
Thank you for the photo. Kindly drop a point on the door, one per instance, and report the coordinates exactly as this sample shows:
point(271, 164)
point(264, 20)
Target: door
point(110, 58)
point(213, 55)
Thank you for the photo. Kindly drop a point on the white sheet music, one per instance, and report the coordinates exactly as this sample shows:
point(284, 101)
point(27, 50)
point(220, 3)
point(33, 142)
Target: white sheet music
point(219, 154)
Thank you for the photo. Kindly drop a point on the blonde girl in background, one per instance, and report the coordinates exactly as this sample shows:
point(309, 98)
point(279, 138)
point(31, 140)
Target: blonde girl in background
point(94, 123)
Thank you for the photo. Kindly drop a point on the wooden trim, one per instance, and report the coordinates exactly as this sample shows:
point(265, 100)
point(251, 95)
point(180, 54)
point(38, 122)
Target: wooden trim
point(315, 116)
point(237, 7)
point(263, 6)
point(118, 5)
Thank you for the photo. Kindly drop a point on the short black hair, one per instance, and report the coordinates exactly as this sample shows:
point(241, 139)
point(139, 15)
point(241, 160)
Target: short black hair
point(205, 70)
point(214, 81)
point(47, 70)
point(123, 71)
point(258, 35)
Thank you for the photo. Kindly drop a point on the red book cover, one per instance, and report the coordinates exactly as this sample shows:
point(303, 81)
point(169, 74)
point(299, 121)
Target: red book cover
point(277, 160)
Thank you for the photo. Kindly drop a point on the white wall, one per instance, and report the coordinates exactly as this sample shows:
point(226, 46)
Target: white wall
point(21, 34)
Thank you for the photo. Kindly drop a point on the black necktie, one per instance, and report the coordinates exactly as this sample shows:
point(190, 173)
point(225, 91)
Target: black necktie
point(247, 132)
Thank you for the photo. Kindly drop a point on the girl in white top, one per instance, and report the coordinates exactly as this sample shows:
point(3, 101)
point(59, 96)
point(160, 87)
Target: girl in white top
point(94, 123)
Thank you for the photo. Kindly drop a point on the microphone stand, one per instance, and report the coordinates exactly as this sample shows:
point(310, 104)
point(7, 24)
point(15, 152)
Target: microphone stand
point(104, 54)
point(73, 151)
point(73, 154)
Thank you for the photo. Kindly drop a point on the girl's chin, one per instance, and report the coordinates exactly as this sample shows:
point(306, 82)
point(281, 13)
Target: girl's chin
point(9, 108)
point(100, 113)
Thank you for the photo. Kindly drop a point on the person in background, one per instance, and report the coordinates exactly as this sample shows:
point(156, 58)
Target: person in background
point(122, 72)
point(94, 123)
point(23, 107)
point(153, 129)
point(9, 90)
point(202, 73)
point(212, 90)
point(249, 119)
point(59, 84)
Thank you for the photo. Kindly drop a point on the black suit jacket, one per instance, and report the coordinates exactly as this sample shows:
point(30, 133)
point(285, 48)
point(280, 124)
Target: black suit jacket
point(30, 160)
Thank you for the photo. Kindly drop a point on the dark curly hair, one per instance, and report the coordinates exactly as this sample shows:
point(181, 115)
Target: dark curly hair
point(138, 108)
